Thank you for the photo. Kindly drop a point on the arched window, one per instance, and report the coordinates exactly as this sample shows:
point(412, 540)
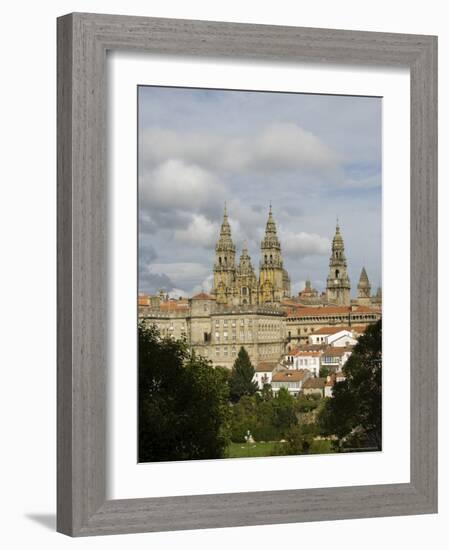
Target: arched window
point(337, 273)
point(219, 260)
point(271, 258)
point(226, 260)
point(265, 257)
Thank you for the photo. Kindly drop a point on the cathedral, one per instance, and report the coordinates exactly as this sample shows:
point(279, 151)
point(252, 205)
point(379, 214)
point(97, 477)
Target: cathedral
point(237, 284)
point(256, 310)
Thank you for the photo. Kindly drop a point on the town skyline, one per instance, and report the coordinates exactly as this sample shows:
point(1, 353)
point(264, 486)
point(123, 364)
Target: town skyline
point(201, 148)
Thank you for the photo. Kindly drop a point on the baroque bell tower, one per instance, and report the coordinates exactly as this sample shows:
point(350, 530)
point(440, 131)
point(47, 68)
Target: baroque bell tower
point(224, 266)
point(338, 289)
point(274, 282)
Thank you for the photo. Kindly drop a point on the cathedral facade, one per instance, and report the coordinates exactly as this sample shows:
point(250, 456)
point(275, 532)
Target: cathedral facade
point(237, 284)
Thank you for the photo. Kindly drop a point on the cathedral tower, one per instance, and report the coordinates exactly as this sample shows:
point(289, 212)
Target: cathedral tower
point(224, 266)
point(338, 287)
point(274, 282)
point(364, 289)
point(246, 279)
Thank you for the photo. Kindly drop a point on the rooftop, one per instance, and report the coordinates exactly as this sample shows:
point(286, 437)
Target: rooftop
point(314, 383)
point(330, 330)
point(266, 366)
point(203, 296)
point(336, 351)
point(291, 376)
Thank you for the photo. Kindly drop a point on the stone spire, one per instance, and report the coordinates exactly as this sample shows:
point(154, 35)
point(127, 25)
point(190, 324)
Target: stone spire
point(338, 285)
point(271, 240)
point(224, 266)
point(274, 280)
point(225, 239)
point(364, 287)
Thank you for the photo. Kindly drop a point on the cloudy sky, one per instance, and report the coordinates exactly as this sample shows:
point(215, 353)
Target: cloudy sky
point(315, 157)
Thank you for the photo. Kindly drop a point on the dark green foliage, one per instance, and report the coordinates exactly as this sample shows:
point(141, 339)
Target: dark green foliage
point(299, 440)
point(183, 402)
point(243, 418)
point(268, 418)
point(284, 415)
point(324, 372)
point(241, 379)
point(354, 413)
point(306, 403)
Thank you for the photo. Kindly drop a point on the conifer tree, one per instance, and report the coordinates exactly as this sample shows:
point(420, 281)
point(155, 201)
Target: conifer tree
point(241, 380)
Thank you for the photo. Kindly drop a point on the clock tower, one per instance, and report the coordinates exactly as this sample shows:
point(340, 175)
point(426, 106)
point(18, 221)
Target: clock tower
point(338, 289)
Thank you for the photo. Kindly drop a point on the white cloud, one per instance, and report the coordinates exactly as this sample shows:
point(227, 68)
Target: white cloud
point(279, 146)
point(199, 232)
point(205, 286)
point(176, 184)
point(297, 287)
point(180, 270)
point(298, 245)
point(289, 146)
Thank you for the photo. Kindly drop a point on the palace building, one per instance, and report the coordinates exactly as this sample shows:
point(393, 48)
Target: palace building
point(257, 311)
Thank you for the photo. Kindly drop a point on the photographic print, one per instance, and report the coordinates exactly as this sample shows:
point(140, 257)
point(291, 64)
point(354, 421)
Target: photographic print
point(260, 273)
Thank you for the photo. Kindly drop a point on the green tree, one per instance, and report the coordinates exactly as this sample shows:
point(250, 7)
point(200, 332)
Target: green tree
point(324, 372)
point(244, 418)
point(298, 441)
point(284, 414)
point(354, 413)
point(183, 402)
point(241, 379)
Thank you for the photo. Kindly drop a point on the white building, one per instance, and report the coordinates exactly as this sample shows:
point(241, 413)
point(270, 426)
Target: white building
point(334, 358)
point(333, 336)
point(264, 373)
point(304, 359)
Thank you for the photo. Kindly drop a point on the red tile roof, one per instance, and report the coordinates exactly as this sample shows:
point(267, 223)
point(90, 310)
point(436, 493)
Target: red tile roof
point(336, 351)
point(314, 383)
point(203, 296)
point(307, 353)
point(329, 330)
point(329, 310)
point(291, 376)
point(266, 366)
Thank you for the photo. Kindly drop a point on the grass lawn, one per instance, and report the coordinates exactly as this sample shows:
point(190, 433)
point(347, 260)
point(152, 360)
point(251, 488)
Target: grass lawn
point(240, 450)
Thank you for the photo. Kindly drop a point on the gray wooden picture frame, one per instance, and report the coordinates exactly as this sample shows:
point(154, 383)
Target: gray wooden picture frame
point(83, 40)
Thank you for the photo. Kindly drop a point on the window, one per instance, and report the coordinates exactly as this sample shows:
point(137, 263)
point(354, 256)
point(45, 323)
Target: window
point(217, 351)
